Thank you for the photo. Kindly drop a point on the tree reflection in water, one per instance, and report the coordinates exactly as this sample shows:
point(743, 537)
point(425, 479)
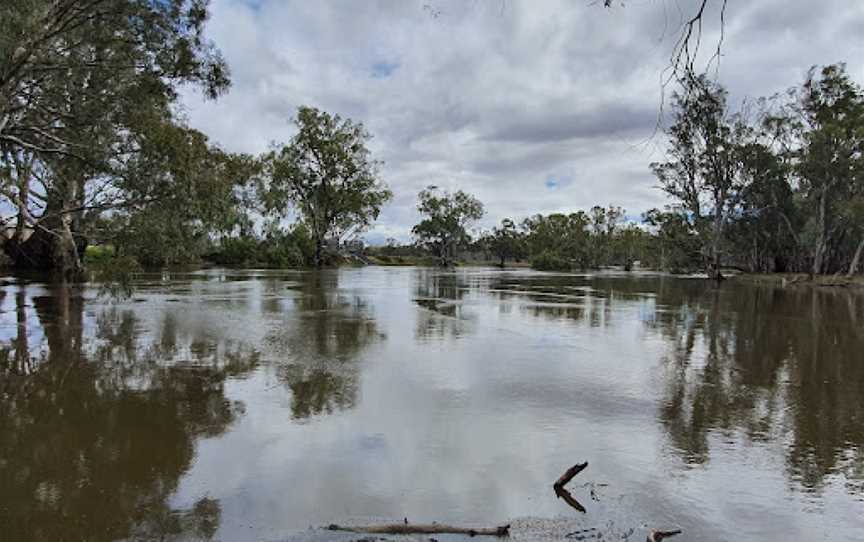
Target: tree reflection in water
point(98, 428)
point(774, 364)
point(319, 346)
point(441, 295)
point(769, 364)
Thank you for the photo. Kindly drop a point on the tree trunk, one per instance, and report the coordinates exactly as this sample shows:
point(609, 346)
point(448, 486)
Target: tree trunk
point(819, 255)
point(853, 267)
point(714, 264)
point(51, 247)
point(319, 261)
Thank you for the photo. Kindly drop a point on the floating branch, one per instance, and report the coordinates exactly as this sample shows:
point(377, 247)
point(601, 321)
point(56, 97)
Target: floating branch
point(434, 528)
point(657, 536)
point(562, 493)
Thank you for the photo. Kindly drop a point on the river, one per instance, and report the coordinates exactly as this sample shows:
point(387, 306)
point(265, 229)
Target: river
point(255, 405)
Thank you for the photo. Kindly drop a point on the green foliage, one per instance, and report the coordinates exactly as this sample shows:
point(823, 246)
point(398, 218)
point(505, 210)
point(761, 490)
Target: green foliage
point(674, 246)
point(826, 125)
point(81, 82)
point(98, 254)
point(445, 227)
point(629, 245)
point(705, 171)
point(566, 236)
point(779, 192)
point(158, 237)
point(327, 174)
point(181, 191)
point(293, 248)
point(549, 261)
point(236, 251)
point(505, 242)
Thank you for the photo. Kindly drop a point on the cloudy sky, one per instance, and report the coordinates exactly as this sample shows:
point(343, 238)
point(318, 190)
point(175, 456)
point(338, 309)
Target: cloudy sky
point(531, 105)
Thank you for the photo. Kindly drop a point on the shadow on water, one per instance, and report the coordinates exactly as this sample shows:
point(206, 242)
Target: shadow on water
point(97, 430)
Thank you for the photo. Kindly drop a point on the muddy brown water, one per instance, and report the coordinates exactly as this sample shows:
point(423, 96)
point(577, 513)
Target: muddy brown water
point(253, 405)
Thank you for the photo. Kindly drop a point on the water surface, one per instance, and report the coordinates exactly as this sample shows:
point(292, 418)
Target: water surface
point(253, 405)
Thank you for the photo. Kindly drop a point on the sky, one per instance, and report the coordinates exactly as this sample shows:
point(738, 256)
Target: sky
point(533, 106)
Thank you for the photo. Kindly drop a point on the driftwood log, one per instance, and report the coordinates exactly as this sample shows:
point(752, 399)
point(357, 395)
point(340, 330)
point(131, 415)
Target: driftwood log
point(432, 528)
point(657, 536)
point(562, 493)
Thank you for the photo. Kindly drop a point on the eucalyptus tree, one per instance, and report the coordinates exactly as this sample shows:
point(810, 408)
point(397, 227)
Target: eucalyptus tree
point(826, 122)
point(604, 224)
point(447, 219)
point(506, 241)
point(565, 236)
point(179, 192)
point(326, 172)
point(630, 244)
point(76, 79)
point(705, 172)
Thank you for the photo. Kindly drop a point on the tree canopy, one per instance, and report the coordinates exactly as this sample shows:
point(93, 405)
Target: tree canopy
point(447, 219)
point(326, 172)
point(81, 84)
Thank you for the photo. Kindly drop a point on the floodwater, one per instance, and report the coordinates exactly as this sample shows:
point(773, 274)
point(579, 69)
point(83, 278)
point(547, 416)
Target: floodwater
point(257, 405)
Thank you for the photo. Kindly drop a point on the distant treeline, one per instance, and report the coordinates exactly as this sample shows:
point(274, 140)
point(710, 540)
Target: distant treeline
point(775, 186)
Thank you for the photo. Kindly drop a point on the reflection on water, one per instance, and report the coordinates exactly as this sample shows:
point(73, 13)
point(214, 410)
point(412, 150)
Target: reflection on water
point(318, 343)
point(246, 405)
point(771, 364)
point(96, 431)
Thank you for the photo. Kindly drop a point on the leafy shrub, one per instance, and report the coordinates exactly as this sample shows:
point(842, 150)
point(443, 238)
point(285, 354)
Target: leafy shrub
point(95, 255)
point(549, 261)
point(236, 251)
point(278, 249)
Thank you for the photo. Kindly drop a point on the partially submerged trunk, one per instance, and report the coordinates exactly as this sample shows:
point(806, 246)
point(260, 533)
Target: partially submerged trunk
point(856, 260)
point(822, 240)
point(47, 249)
point(714, 259)
point(319, 252)
point(49, 244)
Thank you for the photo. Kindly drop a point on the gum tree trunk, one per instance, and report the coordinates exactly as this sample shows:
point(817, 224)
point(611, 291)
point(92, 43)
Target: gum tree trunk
point(49, 243)
point(853, 267)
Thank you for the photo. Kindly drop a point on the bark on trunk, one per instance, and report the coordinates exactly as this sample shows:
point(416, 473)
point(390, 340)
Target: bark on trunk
point(319, 262)
point(819, 255)
point(52, 246)
point(853, 267)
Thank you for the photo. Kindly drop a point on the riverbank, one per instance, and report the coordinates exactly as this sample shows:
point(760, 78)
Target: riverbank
point(801, 280)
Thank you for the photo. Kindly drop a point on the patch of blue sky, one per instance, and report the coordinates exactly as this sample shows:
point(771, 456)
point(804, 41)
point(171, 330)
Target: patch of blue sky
point(554, 182)
point(383, 69)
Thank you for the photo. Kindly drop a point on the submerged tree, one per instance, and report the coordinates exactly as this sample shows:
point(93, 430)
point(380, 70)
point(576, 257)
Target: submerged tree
point(704, 173)
point(826, 122)
point(560, 239)
point(506, 242)
point(448, 217)
point(327, 173)
point(76, 77)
